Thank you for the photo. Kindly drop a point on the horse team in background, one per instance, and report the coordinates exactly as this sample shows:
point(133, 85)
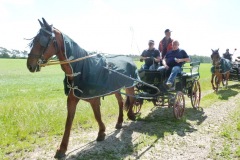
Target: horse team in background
point(220, 70)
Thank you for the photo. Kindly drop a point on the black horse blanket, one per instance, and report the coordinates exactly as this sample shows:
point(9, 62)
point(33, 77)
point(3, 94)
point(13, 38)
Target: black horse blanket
point(225, 66)
point(99, 75)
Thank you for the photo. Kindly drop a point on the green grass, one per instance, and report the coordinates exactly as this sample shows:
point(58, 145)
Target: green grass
point(33, 109)
point(230, 132)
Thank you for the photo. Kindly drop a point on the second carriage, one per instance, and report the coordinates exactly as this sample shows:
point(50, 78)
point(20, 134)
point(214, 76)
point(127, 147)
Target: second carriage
point(235, 71)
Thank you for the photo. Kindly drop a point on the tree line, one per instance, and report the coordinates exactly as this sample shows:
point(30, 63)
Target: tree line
point(5, 53)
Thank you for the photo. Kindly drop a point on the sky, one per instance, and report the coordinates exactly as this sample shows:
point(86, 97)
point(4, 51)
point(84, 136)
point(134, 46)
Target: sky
point(125, 26)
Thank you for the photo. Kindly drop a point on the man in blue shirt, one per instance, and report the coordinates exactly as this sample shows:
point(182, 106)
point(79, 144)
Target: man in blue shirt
point(151, 56)
point(173, 62)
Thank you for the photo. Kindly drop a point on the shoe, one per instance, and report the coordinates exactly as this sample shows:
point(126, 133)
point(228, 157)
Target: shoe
point(169, 84)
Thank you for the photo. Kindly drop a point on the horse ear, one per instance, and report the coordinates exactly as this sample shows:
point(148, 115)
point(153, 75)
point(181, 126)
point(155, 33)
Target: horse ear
point(218, 49)
point(41, 24)
point(212, 50)
point(48, 27)
point(45, 23)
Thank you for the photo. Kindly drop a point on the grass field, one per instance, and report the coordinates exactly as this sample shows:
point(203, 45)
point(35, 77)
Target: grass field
point(33, 106)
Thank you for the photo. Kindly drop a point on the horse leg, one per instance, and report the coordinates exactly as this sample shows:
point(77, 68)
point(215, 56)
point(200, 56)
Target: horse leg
point(95, 103)
point(219, 79)
point(71, 107)
point(131, 100)
point(212, 82)
point(226, 78)
point(120, 116)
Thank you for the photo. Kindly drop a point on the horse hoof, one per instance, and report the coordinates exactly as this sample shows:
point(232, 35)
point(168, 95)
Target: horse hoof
point(59, 155)
point(101, 137)
point(118, 126)
point(132, 117)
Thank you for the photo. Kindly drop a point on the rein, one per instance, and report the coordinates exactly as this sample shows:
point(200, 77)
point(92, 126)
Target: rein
point(55, 62)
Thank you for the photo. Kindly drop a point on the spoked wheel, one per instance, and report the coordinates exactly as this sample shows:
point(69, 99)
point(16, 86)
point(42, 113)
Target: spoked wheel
point(137, 106)
point(179, 105)
point(195, 94)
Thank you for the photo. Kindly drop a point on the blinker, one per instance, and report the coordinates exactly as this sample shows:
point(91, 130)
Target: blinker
point(43, 41)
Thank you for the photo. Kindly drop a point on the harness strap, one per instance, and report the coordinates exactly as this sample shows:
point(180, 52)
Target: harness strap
point(66, 62)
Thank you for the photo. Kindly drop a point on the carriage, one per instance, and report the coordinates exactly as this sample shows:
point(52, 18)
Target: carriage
point(153, 89)
point(235, 71)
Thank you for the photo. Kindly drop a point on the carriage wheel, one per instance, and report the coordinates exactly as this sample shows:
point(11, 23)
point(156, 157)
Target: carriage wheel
point(179, 105)
point(195, 94)
point(137, 106)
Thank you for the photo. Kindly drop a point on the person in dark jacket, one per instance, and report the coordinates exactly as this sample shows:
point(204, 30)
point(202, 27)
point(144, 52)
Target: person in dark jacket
point(227, 55)
point(151, 56)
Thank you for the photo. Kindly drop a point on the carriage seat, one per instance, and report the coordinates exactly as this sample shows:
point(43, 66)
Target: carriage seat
point(190, 74)
point(193, 70)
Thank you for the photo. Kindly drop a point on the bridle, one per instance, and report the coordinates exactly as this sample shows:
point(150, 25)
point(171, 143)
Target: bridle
point(45, 38)
point(45, 42)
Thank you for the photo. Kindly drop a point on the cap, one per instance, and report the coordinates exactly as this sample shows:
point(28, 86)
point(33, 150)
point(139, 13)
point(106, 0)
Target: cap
point(151, 42)
point(167, 30)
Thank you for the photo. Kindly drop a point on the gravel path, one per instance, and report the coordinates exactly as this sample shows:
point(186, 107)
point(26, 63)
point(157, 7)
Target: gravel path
point(150, 139)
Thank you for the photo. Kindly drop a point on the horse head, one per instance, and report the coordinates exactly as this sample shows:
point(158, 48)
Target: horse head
point(215, 57)
point(43, 46)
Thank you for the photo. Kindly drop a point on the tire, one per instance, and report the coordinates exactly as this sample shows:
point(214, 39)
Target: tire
point(195, 94)
point(179, 105)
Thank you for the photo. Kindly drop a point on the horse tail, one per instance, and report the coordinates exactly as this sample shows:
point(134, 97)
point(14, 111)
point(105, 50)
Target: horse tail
point(126, 103)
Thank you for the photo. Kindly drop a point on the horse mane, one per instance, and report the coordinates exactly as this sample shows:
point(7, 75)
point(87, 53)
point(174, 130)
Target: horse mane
point(33, 40)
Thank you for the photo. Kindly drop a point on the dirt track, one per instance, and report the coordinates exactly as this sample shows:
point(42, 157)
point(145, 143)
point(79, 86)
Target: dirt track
point(156, 136)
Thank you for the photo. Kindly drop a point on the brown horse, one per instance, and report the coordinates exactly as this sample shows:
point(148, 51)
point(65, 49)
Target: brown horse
point(220, 70)
point(49, 42)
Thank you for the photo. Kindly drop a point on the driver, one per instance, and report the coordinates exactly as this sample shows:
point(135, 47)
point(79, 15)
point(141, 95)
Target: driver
point(227, 55)
point(151, 56)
